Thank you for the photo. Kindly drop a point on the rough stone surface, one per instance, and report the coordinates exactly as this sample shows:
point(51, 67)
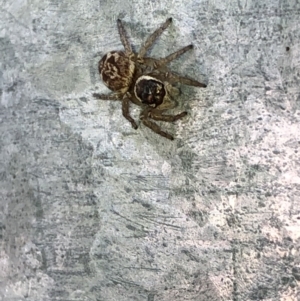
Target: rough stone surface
point(93, 210)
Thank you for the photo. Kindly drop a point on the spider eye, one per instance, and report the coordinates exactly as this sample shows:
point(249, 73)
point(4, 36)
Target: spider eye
point(147, 91)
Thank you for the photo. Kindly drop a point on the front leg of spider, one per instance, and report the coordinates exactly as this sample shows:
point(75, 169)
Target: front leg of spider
point(107, 96)
point(157, 115)
point(145, 115)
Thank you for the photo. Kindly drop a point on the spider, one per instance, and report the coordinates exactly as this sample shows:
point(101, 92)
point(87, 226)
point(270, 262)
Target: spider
point(145, 81)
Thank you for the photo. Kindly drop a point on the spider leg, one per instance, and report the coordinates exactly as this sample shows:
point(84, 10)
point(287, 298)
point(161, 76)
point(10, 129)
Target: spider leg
point(172, 56)
point(156, 115)
point(145, 114)
point(123, 37)
point(125, 111)
point(153, 37)
point(155, 128)
point(125, 105)
point(174, 78)
point(112, 96)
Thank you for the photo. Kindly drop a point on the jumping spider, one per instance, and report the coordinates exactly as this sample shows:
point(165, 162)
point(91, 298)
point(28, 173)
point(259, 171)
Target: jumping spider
point(145, 81)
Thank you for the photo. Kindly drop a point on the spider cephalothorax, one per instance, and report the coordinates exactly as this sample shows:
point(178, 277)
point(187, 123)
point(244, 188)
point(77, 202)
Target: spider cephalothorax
point(144, 81)
point(149, 90)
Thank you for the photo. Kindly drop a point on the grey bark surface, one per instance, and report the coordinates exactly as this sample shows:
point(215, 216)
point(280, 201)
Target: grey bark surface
point(91, 209)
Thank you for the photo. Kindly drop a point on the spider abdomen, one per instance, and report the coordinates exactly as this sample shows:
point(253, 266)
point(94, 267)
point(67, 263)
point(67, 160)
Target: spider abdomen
point(117, 69)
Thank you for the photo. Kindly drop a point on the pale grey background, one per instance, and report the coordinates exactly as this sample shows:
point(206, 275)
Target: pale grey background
point(93, 210)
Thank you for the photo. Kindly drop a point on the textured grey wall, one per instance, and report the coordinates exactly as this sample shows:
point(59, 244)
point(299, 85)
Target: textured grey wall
point(94, 210)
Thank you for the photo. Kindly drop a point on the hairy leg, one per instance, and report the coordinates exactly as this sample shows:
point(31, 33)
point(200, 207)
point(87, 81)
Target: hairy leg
point(123, 37)
point(125, 111)
point(155, 128)
point(112, 96)
point(173, 56)
point(156, 115)
point(153, 37)
point(174, 78)
point(145, 114)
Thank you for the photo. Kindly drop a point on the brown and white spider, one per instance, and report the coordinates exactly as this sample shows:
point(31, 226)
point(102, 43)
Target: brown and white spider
point(144, 81)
